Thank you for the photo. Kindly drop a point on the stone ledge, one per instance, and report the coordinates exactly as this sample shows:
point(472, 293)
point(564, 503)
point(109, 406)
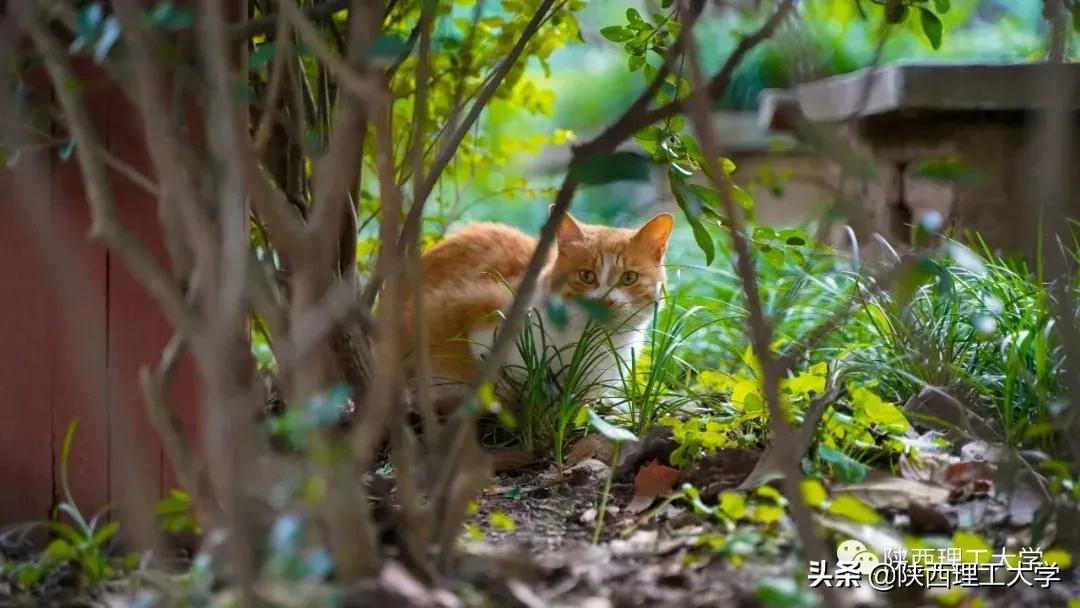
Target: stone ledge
point(1013, 87)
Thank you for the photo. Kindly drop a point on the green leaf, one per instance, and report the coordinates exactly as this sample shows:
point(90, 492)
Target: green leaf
point(690, 204)
point(948, 169)
point(106, 532)
point(616, 33)
point(387, 48)
point(733, 505)
point(66, 150)
point(29, 575)
point(65, 531)
point(69, 437)
point(635, 19)
point(652, 133)
point(110, 33)
point(872, 409)
point(793, 237)
point(846, 468)
point(607, 168)
point(942, 6)
point(169, 17)
point(767, 514)
point(742, 198)
point(605, 428)
point(634, 62)
point(849, 507)
point(88, 19)
point(61, 550)
point(707, 195)
point(704, 241)
point(261, 56)
point(931, 27)
point(775, 592)
point(972, 546)
point(1058, 556)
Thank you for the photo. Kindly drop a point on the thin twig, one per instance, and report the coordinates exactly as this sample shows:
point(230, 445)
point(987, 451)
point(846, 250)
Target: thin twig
point(345, 74)
point(277, 77)
point(761, 330)
point(423, 372)
point(266, 24)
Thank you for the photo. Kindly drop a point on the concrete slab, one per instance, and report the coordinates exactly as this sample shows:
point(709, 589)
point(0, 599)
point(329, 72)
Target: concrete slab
point(945, 87)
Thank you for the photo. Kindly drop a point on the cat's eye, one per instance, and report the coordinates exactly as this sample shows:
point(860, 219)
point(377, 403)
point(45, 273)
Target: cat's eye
point(587, 276)
point(628, 278)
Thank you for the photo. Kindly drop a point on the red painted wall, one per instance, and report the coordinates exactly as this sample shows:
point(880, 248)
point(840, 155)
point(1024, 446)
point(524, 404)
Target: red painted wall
point(74, 334)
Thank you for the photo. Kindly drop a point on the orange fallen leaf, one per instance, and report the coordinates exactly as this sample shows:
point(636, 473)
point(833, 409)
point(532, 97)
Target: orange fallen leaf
point(651, 481)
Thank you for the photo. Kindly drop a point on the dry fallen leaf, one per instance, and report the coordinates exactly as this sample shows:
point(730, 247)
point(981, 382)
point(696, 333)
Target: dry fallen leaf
point(591, 446)
point(983, 451)
point(926, 519)
point(971, 478)
point(897, 492)
point(926, 466)
point(653, 480)
point(524, 595)
point(509, 459)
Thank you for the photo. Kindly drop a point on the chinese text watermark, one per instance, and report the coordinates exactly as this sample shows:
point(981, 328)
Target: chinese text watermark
point(930, 568)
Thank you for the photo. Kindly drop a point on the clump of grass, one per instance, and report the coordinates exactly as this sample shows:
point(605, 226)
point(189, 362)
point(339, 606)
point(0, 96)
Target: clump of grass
point(655, 382)
point(80, 544)
point(551, 385)
point(980, 328)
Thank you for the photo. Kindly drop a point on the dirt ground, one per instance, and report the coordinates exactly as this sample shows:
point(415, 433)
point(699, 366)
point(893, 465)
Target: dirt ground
point(658, 558)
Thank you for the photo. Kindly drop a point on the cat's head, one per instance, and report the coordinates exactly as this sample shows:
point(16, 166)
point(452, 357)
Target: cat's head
point(622, 268)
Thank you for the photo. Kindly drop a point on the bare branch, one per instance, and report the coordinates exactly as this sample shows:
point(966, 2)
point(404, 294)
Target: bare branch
point(156, 384)
point(171, 163)
point(419, 329)
point(719, 83)
point(336, 172)
point(286, 225)
point(278, 72)
point(341, 70)
point(761, 331)
point(266, 24)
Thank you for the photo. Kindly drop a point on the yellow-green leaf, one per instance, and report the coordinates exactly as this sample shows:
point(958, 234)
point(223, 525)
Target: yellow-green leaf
point(872, 409)
point(813, 492)
point(767, 514)
point(849, 507)
point(1061, 557)
point(502, 520)
point(733, 505)
point(973, 547)
point(715, 381)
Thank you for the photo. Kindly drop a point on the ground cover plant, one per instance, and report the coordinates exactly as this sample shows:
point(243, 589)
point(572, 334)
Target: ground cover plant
point(793, 393)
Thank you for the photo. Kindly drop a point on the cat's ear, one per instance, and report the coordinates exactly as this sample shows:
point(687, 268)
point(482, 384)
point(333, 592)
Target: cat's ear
point(569, 229)
point(653, 236)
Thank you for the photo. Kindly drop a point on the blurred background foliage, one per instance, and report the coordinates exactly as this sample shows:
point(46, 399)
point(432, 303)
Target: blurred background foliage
point(584, 85)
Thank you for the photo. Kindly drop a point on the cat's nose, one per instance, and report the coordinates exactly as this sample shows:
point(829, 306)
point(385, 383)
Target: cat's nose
point(610, 301)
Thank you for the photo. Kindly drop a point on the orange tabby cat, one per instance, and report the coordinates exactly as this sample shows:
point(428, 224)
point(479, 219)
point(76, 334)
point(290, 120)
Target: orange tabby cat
point(468, 280)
